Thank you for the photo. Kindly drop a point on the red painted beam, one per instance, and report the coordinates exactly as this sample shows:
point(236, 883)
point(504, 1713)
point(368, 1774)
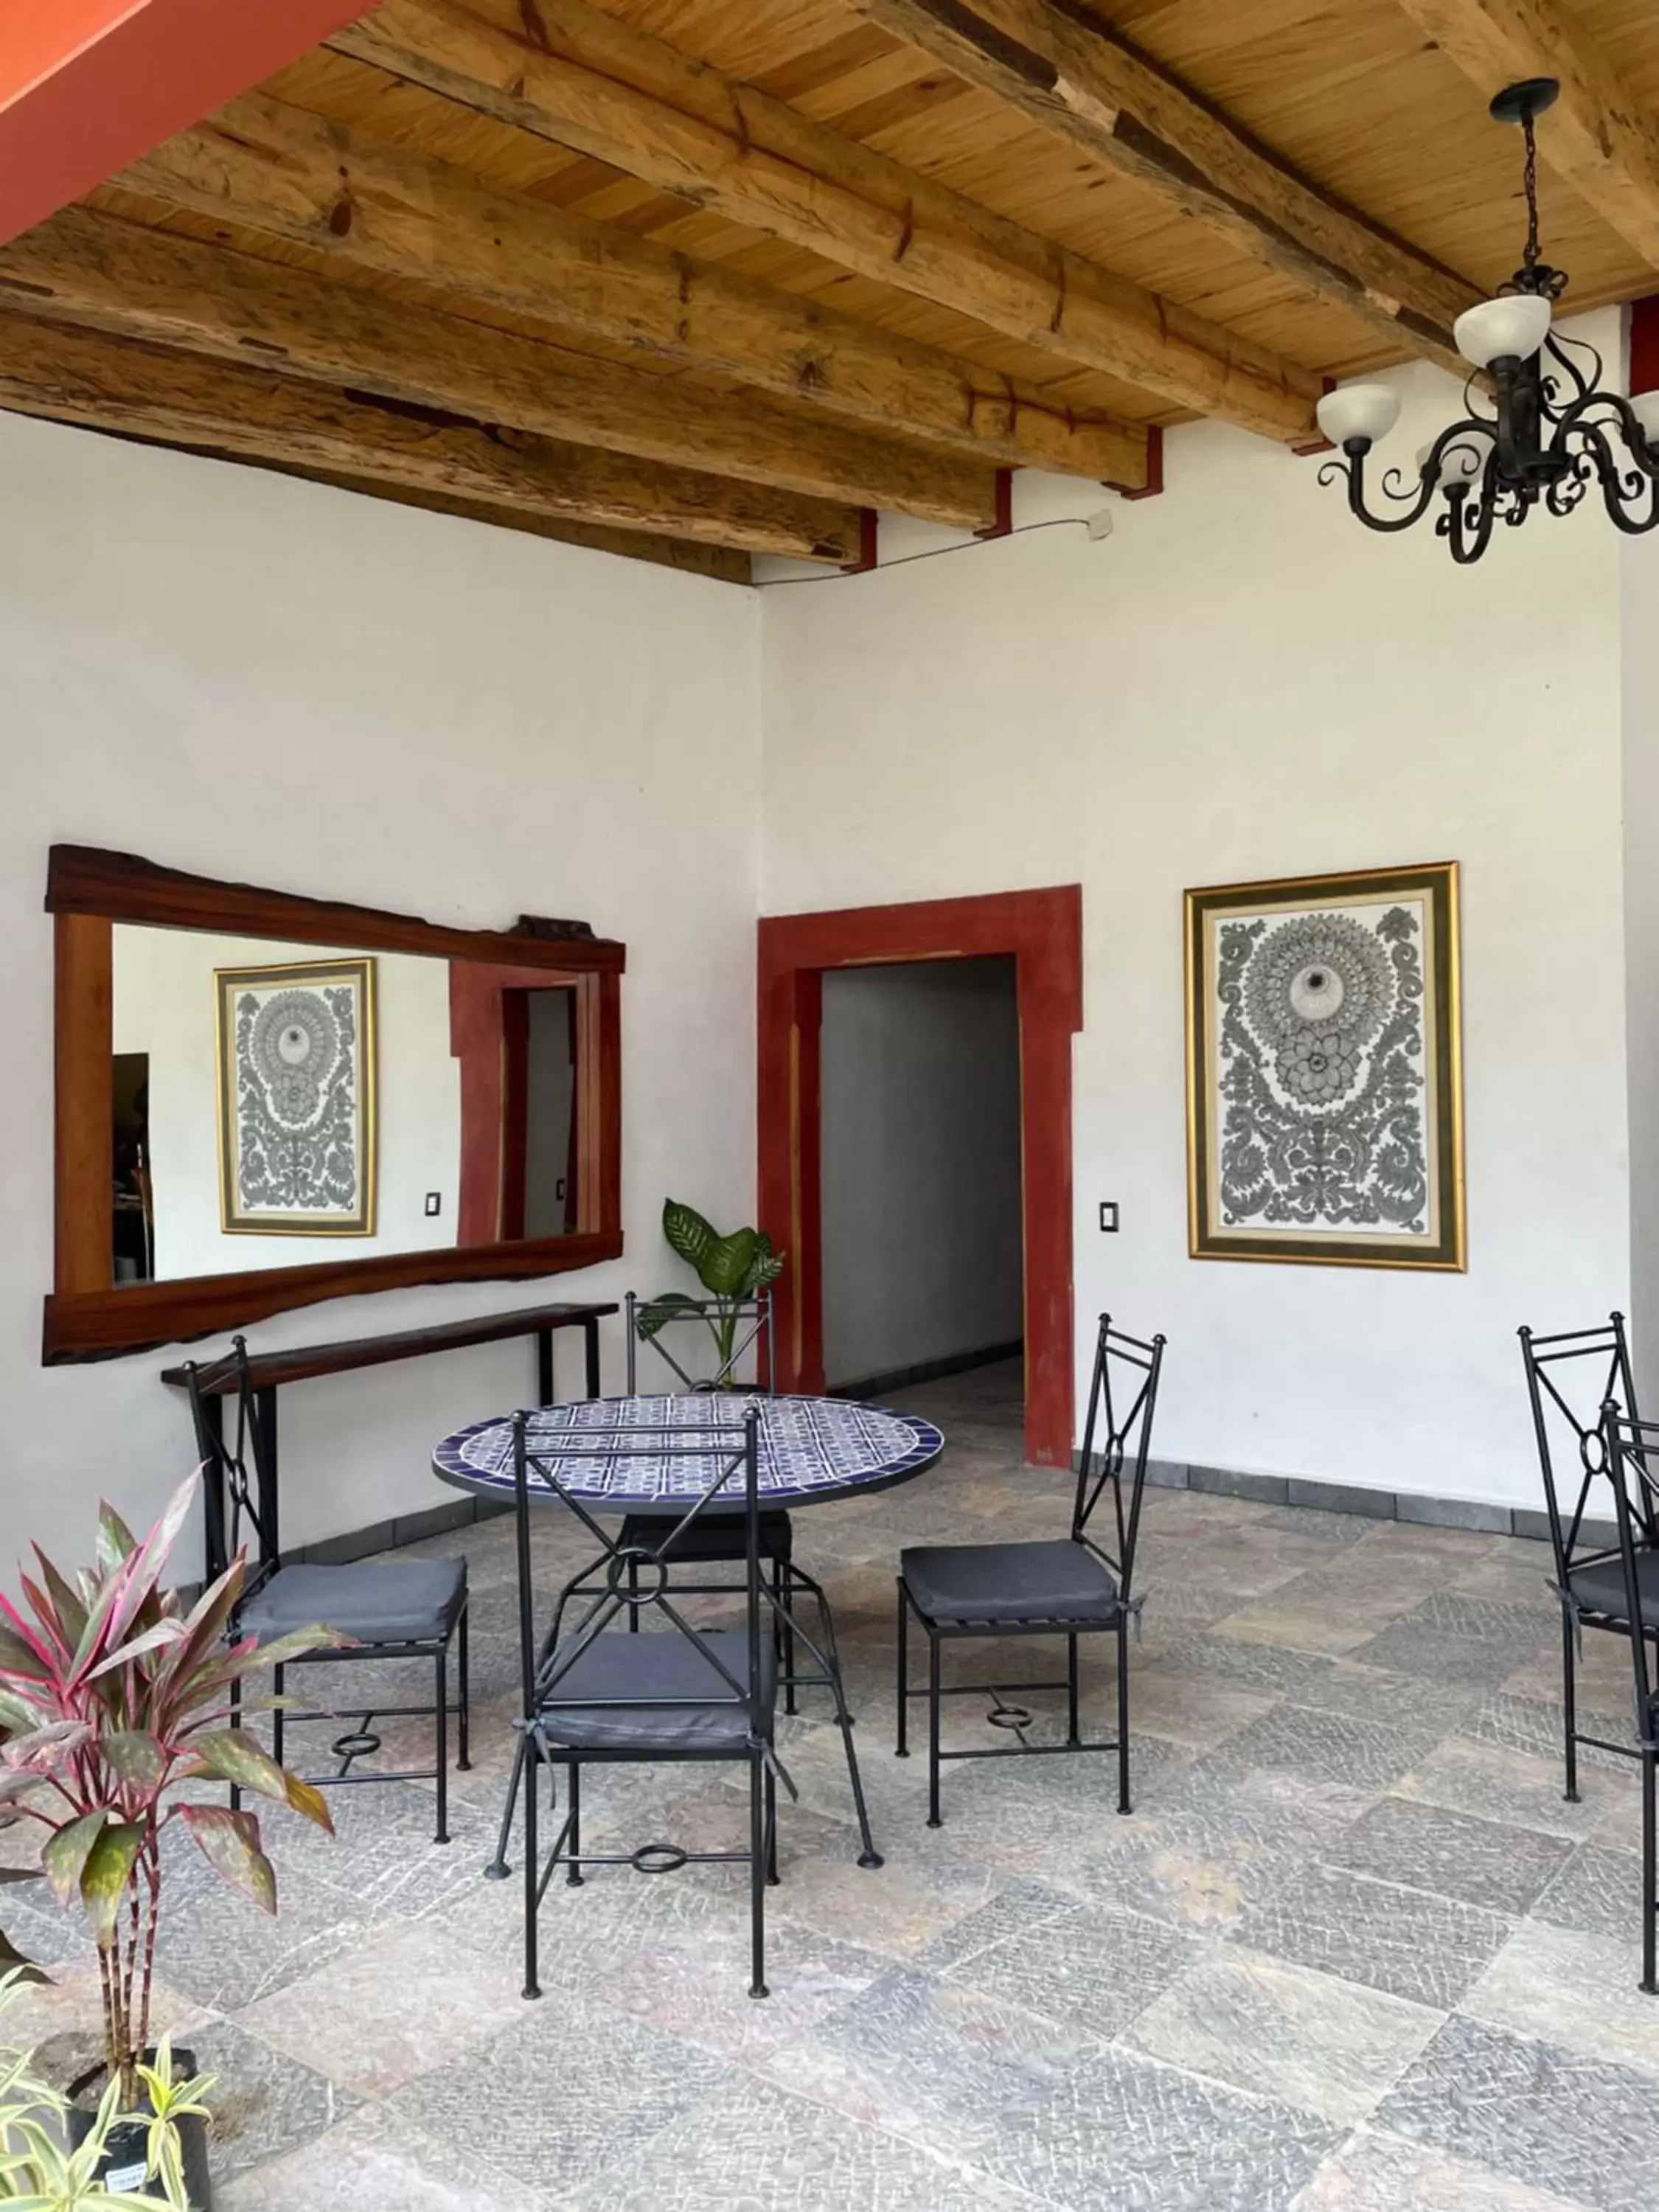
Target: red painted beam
point(88, 86)
point(1644, 345)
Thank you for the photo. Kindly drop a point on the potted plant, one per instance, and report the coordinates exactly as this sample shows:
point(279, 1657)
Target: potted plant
point(117, 1701)
point(40, 2169)
point(732, 1269)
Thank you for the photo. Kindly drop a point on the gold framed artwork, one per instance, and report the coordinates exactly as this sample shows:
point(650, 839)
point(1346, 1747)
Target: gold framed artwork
point(297, 1099)
point(1324, 1072)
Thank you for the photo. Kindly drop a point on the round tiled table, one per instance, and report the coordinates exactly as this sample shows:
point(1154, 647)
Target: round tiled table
point(811, 1450)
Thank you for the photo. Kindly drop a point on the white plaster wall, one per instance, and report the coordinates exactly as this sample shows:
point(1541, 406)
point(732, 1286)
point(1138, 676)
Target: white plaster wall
point(230, 672)
point(921, 1151)
point(165, 1003)
point(1242, 682)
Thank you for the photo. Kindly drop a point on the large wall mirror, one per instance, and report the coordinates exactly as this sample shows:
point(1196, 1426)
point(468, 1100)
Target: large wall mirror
point(264, 1100)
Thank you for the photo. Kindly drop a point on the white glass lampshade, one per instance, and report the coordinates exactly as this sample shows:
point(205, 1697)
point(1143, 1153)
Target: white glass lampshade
point(1463, 460)
point(1359, 410)
point(1646, 404)
point(1511, 328)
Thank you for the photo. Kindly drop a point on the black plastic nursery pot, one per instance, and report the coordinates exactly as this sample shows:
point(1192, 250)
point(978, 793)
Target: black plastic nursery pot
point(124, 2162)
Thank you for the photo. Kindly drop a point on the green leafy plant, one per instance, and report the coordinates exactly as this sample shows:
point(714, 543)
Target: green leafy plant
point(118, 1701)
point(731, 1269)
point(38, 2173)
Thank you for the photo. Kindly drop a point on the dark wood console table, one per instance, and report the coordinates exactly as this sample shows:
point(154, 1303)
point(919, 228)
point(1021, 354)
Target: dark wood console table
point(271, 1369)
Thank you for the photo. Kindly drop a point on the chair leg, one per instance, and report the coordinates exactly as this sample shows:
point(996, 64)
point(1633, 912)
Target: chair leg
point(574, 1877)
point(934, 1820)
point(757, 1877)
point(783, 1641)
point(1123, 1803)
point(236, 1722)
point(1569, 1705)
point(441, 1668)
point(532, 1988)
point(498, 1868)
point(278, 1716)
point(771, 1829)
point(1650, 1874)
point(1073, 1738)
point(633, 1592)
point(464, 1718)
point(901, 1747)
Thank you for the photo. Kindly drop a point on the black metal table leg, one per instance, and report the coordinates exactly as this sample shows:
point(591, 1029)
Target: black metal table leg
point(265, 1411)
point(543, 1367)
point(591, 1345)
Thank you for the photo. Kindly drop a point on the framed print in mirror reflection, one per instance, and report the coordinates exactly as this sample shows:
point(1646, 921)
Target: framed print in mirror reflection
point(297, 1099)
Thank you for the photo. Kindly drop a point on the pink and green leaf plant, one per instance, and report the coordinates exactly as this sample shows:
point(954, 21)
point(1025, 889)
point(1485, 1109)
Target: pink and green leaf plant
point(116, 1700)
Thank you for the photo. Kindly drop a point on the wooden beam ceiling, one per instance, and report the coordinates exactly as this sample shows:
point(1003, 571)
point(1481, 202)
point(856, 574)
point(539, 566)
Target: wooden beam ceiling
point(723, 564)
point(1066, 71)
point(573, 73)
point(97, 271)
point(1596, 137)
point(270, 167)
point(84, 377)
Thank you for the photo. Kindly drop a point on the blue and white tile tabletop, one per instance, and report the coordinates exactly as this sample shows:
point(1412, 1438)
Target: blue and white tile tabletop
point(811, 1450)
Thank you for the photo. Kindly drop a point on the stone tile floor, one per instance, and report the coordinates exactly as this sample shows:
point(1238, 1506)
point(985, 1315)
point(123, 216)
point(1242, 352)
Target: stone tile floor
point(1352, 1952)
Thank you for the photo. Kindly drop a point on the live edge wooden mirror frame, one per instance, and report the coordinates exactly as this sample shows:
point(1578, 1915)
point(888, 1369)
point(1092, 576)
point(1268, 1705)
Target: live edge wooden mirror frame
point(90, 1316)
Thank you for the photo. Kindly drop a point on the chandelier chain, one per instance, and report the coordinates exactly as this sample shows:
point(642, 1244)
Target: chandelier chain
point(1529, 257)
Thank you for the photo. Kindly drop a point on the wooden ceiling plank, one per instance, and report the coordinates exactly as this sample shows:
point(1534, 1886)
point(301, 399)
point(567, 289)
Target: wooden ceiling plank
point(85, 377)
point(1066, 71)
point(98, 271)
point(279, 170)
point(724, 563)
point(1595, 137)
point(585, 79)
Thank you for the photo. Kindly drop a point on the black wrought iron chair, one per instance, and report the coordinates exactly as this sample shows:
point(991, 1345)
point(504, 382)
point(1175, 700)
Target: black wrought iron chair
point(716, 1539)
point(390, 1609)
point(1570, 1377)
point(1631, 1449)
point(1070, 1586)
point(599, 1695)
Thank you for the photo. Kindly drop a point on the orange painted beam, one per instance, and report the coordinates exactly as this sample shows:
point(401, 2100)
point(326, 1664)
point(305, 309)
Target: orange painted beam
point(88, 86)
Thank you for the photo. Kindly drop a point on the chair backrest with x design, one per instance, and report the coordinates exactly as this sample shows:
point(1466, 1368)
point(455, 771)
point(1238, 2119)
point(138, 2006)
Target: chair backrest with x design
point(237, 1487)
point(1631, 1447)
point(1117, 1435)
point(1570, 1377)
point(623, 1578)
point(741, 1324)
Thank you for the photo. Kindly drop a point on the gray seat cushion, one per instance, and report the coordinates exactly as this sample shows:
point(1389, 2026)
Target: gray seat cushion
point(1061, 1581)
point(716, 1534)
point(1601, 1589)
point(374, 1600)
point(652, 1665)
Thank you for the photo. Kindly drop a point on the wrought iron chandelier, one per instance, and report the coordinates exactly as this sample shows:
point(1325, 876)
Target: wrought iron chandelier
point(1539, 429)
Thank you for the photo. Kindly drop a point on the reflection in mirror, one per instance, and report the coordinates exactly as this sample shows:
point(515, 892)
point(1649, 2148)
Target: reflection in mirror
point(269, 1094)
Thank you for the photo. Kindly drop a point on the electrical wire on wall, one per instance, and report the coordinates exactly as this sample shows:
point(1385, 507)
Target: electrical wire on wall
point(1091, 523)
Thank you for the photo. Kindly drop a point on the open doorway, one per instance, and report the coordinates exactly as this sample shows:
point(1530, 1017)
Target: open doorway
point(920, 1147)
point(1041, 933)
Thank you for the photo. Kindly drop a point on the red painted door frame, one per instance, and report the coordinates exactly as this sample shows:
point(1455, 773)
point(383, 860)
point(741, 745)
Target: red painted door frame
point(1043, 931)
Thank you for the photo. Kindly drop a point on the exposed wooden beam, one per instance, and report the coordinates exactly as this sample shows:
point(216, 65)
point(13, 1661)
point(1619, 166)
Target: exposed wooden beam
point(1068, 72)
point(86, 86)
point(1596, 136)
point(83, 376)
point(269, 167)
point(572, 73)
point(98, 271)
point(722, 562)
